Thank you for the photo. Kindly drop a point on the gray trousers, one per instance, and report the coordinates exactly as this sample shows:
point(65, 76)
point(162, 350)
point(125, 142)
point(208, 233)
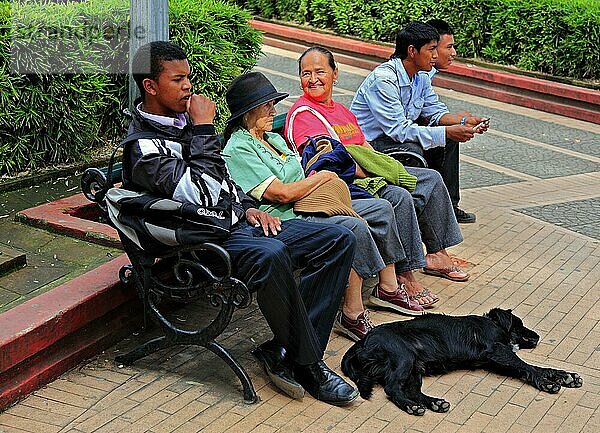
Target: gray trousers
point(378, 241)
point(430, 208)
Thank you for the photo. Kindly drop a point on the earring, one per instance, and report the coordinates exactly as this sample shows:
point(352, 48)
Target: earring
point(335, 82)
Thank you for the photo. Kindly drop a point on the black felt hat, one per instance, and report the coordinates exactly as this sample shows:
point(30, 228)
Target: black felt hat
point(249, 91)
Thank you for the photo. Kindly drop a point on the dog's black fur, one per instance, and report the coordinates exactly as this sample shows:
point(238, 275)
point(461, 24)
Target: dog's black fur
point(398, 354)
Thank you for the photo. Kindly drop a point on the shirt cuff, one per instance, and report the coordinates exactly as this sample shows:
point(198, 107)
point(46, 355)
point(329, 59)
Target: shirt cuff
point(258, 191)
point(435, 119)
point(438, 135)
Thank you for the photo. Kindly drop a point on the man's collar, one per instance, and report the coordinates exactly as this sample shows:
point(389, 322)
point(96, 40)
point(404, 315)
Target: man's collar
point(179, 122)
point(403, 77)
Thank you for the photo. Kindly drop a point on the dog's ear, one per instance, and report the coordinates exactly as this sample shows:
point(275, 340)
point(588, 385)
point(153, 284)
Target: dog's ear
point(502, 318)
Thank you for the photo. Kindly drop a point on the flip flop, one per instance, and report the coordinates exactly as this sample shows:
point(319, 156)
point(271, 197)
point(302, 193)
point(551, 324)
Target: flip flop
point(454, 273)
point(423, 294)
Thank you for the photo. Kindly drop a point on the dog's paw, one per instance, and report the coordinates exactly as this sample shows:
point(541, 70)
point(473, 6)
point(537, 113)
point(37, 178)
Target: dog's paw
point(414, 409)
point(548, 386)
point(438, 405)
point(365, 388)
point(572, 380)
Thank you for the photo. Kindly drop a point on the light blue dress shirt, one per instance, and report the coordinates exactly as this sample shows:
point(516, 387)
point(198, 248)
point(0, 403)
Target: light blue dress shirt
point(389, 103)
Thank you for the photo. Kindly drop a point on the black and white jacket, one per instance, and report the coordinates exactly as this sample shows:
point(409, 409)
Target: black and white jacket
point(184, 164)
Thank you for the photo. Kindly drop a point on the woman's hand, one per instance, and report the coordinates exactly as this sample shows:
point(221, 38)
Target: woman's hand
point(262, 219)
point(360, 173)
point(325, 175)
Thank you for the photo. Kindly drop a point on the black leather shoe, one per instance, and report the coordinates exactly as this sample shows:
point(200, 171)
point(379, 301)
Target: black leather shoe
point(324, 384)
point(272, 357)
point(464, 217)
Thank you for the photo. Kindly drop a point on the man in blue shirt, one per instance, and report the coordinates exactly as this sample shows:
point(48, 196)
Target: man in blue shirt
point(397, 108)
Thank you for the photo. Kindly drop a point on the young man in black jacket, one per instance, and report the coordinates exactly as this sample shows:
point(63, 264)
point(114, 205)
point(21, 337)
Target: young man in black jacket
point(176, 154)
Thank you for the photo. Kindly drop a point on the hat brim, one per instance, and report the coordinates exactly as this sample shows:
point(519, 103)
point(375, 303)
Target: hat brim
point(277, 97)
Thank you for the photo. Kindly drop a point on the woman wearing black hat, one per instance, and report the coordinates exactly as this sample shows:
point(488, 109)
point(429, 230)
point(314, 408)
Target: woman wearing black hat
point(264, 167)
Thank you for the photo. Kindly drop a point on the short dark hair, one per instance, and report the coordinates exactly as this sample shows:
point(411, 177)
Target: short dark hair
point(149, 58)
point(442, 27)
point(416, 34)
point(321, 50)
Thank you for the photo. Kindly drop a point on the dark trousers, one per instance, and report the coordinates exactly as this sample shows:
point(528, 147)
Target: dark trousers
point(444, 160)
point(300, 315)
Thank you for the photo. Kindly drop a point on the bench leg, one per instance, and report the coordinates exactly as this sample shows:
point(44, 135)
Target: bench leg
point(145, 349)
point(249, 392)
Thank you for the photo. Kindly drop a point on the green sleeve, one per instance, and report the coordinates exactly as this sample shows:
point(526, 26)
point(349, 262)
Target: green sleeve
point(245, 165)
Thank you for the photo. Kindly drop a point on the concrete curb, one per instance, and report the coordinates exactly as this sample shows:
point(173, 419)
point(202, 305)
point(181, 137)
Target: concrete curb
point(51, 333)
point(544, 95)
point(64, 216)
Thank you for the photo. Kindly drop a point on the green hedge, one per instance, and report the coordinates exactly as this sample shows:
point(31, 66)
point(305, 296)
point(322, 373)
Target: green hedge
point(558, 37)
point(50, 119)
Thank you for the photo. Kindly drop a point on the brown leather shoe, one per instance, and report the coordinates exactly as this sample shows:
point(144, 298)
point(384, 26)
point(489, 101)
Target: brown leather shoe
point(357, 329)
point(398, 301)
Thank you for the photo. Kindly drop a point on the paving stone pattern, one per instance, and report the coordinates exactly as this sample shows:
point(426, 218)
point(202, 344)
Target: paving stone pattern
point(527, 252)
point(581, 216)
point(535, 161)
point(475, 176)
point(577, 140)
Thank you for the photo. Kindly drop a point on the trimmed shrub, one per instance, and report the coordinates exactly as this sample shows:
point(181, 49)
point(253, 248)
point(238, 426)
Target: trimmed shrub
point(47, 119)
point(55, 118)
point(558, 37)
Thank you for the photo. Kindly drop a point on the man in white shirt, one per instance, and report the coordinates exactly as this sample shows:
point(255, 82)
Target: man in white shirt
point(397, 107)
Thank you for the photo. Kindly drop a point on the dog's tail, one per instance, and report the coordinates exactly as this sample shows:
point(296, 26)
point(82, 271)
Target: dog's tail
point(352, 366)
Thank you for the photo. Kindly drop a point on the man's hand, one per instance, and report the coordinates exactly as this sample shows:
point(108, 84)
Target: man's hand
point(262, 219)
point(479, 124)
point(460, 132)
point(201, 109)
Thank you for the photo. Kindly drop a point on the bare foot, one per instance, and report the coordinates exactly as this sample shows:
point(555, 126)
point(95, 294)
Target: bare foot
point(438, 260)
point(440, 264)
point(416, 291)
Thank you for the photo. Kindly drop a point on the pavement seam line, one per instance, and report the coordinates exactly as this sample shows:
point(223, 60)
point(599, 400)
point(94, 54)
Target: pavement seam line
point(519, 110)
point(526, 194)
point(543, 145)
point(497, 168)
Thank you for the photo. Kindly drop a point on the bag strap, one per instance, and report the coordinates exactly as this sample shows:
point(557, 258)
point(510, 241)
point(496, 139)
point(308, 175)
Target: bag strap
point(290, 135)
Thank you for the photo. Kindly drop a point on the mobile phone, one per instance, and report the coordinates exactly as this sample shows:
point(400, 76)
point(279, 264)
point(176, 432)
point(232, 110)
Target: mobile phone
point(480, 124)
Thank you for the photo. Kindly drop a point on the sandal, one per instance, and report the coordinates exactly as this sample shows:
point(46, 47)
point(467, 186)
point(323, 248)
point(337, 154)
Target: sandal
point(454, 273)
point(424, 294)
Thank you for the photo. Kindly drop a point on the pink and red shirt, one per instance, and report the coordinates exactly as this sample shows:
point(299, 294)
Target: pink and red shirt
point(342, 120)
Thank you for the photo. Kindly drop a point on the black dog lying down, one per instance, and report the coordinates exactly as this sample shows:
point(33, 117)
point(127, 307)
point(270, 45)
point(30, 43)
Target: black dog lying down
point(398, 354)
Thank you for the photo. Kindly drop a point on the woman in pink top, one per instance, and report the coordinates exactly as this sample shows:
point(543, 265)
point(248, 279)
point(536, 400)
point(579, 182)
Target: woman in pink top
point(428, 207)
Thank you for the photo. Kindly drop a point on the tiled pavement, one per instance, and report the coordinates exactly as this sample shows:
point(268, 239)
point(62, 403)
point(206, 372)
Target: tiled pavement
point(534, 182)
